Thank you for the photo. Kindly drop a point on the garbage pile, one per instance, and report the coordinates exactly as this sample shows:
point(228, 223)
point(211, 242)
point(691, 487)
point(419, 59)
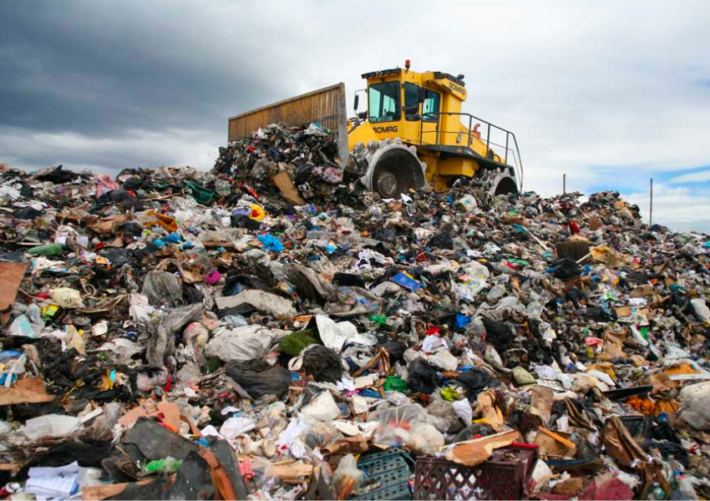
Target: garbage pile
point(175, 334)
point(302, 161)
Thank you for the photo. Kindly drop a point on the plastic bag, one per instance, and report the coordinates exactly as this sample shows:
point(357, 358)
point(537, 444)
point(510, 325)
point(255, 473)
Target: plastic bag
point(259, 379)
point(474, 381)
point(140, 310)
point(235, 426)
point(21, 326)
point(499, 334)
point(566, 268)
point(162, 288)
point(422, 376)
point(251, 342)
point(474, 281)
point(395, 424)
point(323, 364)
point(347, 477)
point(463, 410)
point(67, 298)
point(322, 408)
point(700, 309)
point(426, 439)
point(695, 404)
point(167, 465)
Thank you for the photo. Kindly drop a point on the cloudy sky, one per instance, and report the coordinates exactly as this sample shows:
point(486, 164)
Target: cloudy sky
point(610, 93)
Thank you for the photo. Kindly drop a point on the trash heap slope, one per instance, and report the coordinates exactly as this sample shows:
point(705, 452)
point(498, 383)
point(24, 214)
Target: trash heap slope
point(270, 329)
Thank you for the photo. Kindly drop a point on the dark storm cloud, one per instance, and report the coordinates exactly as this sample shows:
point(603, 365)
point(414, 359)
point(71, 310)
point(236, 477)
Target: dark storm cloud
point(102, 68)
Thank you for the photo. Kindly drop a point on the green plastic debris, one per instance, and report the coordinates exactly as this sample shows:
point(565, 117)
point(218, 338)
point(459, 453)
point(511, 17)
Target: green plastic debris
point(167, 465)
point(378, 319)
point(295, 343)
point(518, 261)
point(396, 383)
point(48, 250)
point(200, 193)
point(451, 394)
point(213, 364)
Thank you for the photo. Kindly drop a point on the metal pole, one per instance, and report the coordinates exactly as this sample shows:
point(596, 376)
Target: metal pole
point(564, 184)
point(650, 205)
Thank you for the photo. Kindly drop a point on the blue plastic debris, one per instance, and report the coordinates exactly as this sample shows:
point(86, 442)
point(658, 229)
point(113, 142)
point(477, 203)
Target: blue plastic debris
point(271, 243)
point(406, 281)
point(461, 321)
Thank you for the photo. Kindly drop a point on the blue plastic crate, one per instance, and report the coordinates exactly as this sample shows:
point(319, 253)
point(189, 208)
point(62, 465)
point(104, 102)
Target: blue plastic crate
point(387, 476)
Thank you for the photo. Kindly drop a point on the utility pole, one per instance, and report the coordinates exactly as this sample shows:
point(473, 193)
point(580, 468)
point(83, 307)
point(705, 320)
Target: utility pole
point(564, 184)
point(650, 204)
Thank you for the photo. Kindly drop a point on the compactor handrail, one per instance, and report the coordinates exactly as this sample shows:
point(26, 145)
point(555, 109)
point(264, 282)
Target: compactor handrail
point(514, 149)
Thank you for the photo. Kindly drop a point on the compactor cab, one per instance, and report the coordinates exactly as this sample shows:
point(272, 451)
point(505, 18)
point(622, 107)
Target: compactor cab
point(412, 132)
point(415, 118)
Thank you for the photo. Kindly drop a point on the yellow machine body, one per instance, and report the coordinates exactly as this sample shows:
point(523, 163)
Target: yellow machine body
point(428, 124)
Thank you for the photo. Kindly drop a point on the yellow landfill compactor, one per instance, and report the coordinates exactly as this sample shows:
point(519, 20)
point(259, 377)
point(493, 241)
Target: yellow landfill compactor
point(412, 133)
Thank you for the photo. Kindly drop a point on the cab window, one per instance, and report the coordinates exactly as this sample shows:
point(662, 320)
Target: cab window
point(384, 102)
point(430, 110)
point(411, 101)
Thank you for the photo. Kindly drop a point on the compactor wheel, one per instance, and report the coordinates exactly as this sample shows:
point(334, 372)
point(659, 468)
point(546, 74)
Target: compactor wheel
point(497, 181)
point(393, 169)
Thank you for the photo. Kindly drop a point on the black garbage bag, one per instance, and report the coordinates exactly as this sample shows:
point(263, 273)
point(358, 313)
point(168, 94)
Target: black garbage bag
point(118, 256)
point(191, 294)
point(57, 175)
point(423, 378)
point(576, 296)
point(474, 381)
point(499, 334)
point(260, 379)
point(387, 235)
point(133, 183)
point(442, 240)
point(667, 449)
point(396, 350)
point(482, 429)
point(192, 481)
point(323, 364)
point(566, 268)
point(131, 228)
point(87, 452)
point(348, 280)
point(26, 213)
point(120, 197)
point(237, 282)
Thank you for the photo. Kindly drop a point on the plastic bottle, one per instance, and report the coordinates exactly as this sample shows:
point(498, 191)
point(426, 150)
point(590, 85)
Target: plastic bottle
point(48, 250)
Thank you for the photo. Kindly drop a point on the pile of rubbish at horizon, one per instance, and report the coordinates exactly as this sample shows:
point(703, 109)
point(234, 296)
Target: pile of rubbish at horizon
point(270, 329)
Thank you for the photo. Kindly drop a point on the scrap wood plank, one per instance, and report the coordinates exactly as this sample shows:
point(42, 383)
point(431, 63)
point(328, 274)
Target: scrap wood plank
point(559, 438)
point(292, 471)
point(475, 452)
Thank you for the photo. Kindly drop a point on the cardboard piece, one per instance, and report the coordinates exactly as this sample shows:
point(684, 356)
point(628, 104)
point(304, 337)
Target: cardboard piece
point(491, 413)
point(542, 402)
point(10, 278)
point(25, 391)
point(288, 190)
point(105, 491)
point(170, 412)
